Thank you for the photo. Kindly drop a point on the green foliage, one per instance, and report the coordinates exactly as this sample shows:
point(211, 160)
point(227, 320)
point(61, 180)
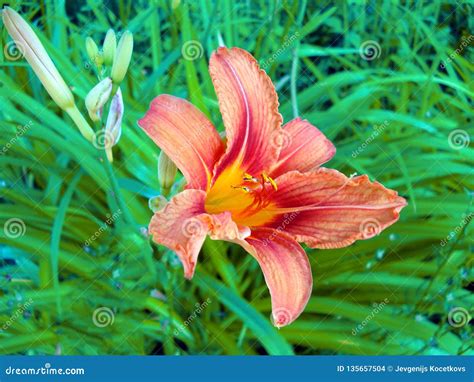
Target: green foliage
point(394, 113)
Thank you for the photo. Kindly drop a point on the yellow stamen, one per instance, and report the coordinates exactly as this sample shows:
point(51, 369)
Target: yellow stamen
point(248, 198)
point(249, 178)
point(243, 188)
point(267, 179)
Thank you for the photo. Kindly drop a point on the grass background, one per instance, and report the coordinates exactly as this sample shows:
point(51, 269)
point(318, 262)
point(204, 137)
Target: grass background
point(402, 113)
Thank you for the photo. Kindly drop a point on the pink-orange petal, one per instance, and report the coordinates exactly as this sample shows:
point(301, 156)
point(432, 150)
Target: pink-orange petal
point(303, 148)
point(286, 270)
point(178, 226)
point(222, 227)
point(326, 209)
point(186, 136)
point(249, 108)
point(182, 226)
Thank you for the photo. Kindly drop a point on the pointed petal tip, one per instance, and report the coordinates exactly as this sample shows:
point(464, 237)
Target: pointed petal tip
point(224, 51)
point(281, 317)
point(287, 273)
point(189, 272)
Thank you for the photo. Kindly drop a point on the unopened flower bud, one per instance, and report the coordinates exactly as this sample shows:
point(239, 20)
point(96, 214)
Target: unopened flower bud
point(109, 47)
point(113, 127)
point(157, 203)
point(166, 172)
point(39, 60)
point(122, 58)
point(97, 98)
point(93, 52)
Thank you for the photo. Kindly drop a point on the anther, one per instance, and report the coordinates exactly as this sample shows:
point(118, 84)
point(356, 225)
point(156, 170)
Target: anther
point(243, 188)
point(249, 178)
point(267, 179)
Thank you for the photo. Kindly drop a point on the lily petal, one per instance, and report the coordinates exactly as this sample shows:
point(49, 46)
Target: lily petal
point(287, 272)
point(113, 127)
point(178, 227)
point(303, 148)
point(182, 226)
point(186, 136)
point(249, 108)
point(326, 209)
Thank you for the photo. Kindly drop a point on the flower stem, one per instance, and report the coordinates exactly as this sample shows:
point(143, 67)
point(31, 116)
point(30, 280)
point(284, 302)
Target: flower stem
point(80, 122)
point(116, 193)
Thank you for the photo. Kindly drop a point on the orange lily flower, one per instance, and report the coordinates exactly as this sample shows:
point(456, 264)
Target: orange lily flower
point(265, 189)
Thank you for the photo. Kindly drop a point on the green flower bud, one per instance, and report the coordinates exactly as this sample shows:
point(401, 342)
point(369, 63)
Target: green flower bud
point(113, 127)
point(166, 172)
point(97, 98)
point(44, 68)
point(109, 47)
point(93, 52)
point(157, 203)
point(122, 58)
point(32, 48)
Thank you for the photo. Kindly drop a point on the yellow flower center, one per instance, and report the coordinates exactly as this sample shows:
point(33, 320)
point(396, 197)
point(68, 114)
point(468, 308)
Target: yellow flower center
point(245, 196)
